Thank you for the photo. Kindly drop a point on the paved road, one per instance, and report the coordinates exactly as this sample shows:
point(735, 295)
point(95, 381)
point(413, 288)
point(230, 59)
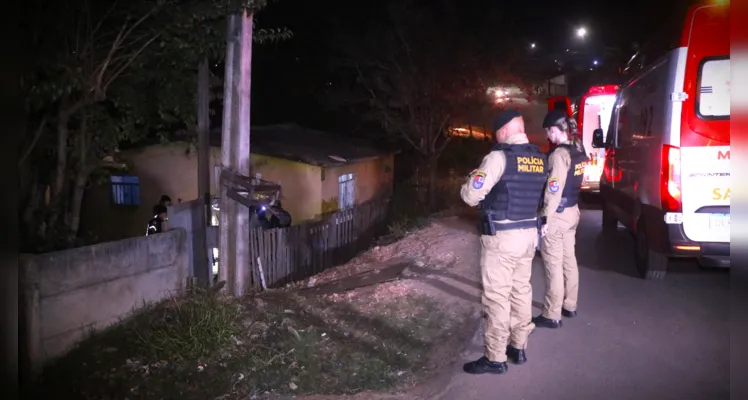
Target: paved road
point(633, 339)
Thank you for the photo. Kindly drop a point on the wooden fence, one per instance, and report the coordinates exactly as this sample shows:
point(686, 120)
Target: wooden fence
point(298, 252)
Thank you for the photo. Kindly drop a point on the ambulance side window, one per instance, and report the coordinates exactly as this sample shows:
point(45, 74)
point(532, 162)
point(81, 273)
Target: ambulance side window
point(611, 131)
point(621, 121)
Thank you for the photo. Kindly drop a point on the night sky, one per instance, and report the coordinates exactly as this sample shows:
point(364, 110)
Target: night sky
point(288, 76)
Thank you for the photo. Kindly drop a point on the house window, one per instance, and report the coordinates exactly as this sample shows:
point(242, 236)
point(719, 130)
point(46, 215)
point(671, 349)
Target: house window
point(346, 191)
point(125, 190)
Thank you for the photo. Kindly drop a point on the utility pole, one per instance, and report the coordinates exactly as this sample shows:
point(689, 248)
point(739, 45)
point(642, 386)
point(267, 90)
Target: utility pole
point(234, 219)
point(202, 268)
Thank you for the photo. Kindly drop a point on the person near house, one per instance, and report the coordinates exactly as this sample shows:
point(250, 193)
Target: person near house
point(559, 216)
point(507, 187)
point(279, 218)
point(165, 201)
point(260, 217)
point(156, 224)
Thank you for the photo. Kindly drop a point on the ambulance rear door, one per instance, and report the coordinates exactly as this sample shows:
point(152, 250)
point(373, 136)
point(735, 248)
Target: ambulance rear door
point(705, 126)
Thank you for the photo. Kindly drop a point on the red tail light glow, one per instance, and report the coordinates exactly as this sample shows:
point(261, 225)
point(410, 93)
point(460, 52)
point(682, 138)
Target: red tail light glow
point(612, 174)
point(670, 183)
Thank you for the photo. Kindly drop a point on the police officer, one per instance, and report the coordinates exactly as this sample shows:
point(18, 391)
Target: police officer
point(560, 218)
point(156, 224)
point(508, 187)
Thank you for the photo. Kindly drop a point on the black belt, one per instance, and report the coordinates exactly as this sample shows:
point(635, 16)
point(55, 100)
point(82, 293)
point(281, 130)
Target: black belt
point(532, 223)
point(489, 226)
point(566, 202)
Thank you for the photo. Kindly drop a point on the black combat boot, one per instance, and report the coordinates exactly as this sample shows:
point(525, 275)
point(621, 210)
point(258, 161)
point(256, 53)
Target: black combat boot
point(543, 322)
point(484, 366)
point(568, 314)
point(515, 355)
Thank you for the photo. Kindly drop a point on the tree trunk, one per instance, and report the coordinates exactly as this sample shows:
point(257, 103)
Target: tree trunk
point(30, 215)
point(432, 178)
point(63, 133)
point(79, 184)
point(55, 206)
point(76, 200)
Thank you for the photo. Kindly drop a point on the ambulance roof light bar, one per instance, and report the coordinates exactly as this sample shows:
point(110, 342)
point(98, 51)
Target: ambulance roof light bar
point(603, 89)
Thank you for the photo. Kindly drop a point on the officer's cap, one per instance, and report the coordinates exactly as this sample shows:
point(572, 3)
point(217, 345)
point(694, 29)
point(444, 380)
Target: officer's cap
point(553, 117)
point(504, 119)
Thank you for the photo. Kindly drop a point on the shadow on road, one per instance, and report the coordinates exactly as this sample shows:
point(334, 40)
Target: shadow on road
point(615, 251)
point(590, 201)
point(428, 276)
point(612, 251)
point(464, 219)
point(444, 274)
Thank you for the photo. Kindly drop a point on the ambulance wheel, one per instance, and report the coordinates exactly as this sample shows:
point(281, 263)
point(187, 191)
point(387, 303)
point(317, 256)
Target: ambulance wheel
point(610, 223)
point(650, 265)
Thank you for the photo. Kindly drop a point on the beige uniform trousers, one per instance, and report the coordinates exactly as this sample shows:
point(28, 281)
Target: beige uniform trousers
point(506, 267)
point(560, 260)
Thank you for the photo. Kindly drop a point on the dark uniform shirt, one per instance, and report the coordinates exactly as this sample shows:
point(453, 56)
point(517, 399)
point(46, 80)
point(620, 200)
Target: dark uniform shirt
point(483, 180)
point(565, 179)
point(155, 225)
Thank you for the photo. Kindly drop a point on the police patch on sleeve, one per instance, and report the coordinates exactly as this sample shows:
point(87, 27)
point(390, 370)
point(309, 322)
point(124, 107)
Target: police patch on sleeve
point(479, 178)
point(553, 185)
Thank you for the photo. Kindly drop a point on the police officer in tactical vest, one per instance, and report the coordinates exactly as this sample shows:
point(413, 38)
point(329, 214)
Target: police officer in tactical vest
point(156, 224)
point(508, 187)
point(560, 217)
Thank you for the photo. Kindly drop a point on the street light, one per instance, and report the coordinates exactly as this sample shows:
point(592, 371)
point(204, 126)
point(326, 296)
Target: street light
point(594, 62)
point(532, 45)
point(581, 32)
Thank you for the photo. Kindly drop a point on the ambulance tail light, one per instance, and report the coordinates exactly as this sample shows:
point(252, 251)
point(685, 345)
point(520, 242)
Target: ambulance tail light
point(670, 183)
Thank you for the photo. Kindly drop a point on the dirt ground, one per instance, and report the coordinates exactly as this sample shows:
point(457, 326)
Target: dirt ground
point(396, 316)
point(442, 264)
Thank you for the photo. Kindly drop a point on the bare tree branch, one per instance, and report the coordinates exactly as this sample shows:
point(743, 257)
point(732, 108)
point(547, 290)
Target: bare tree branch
point(134, 56)
point(34, 140)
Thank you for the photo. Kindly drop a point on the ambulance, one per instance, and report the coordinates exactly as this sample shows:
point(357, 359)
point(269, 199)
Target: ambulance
point(666, 173)
point(593, 112)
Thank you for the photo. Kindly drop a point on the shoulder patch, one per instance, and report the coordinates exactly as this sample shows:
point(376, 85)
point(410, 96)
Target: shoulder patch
point(478, 177)
point(553, 185)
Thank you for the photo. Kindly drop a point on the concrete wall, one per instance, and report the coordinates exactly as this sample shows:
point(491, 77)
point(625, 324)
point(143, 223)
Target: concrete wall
point(66, 294)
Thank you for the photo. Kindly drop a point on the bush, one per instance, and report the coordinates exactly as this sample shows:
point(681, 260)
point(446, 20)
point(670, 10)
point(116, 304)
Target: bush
point(183, 328)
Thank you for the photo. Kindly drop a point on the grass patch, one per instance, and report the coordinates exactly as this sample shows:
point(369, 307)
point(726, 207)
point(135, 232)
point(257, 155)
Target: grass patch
point(183, 329)
point(206, 347)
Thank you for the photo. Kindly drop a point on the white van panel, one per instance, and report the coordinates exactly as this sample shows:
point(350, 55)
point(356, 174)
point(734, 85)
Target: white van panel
point(705, 183)
point(677, 76)
point(643, 129)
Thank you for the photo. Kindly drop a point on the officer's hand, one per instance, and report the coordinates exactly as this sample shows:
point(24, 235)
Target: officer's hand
point(544, 230)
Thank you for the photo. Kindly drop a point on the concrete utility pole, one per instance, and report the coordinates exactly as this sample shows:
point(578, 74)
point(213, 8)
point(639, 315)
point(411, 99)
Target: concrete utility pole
point(202, 268)
point(234, 257)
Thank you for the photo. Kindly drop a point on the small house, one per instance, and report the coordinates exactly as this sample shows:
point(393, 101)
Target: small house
point(318, 173)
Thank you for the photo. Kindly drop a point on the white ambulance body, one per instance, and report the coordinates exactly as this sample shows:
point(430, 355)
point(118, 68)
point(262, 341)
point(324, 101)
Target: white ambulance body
point(666, 174)
point(595, 109)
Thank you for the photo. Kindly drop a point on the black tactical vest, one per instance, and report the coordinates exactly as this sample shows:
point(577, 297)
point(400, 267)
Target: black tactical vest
point(574, 176)
point(518, 193)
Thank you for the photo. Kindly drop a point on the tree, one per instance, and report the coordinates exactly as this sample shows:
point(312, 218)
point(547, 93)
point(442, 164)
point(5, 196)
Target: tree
point(107, 72)
point(419, 71)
